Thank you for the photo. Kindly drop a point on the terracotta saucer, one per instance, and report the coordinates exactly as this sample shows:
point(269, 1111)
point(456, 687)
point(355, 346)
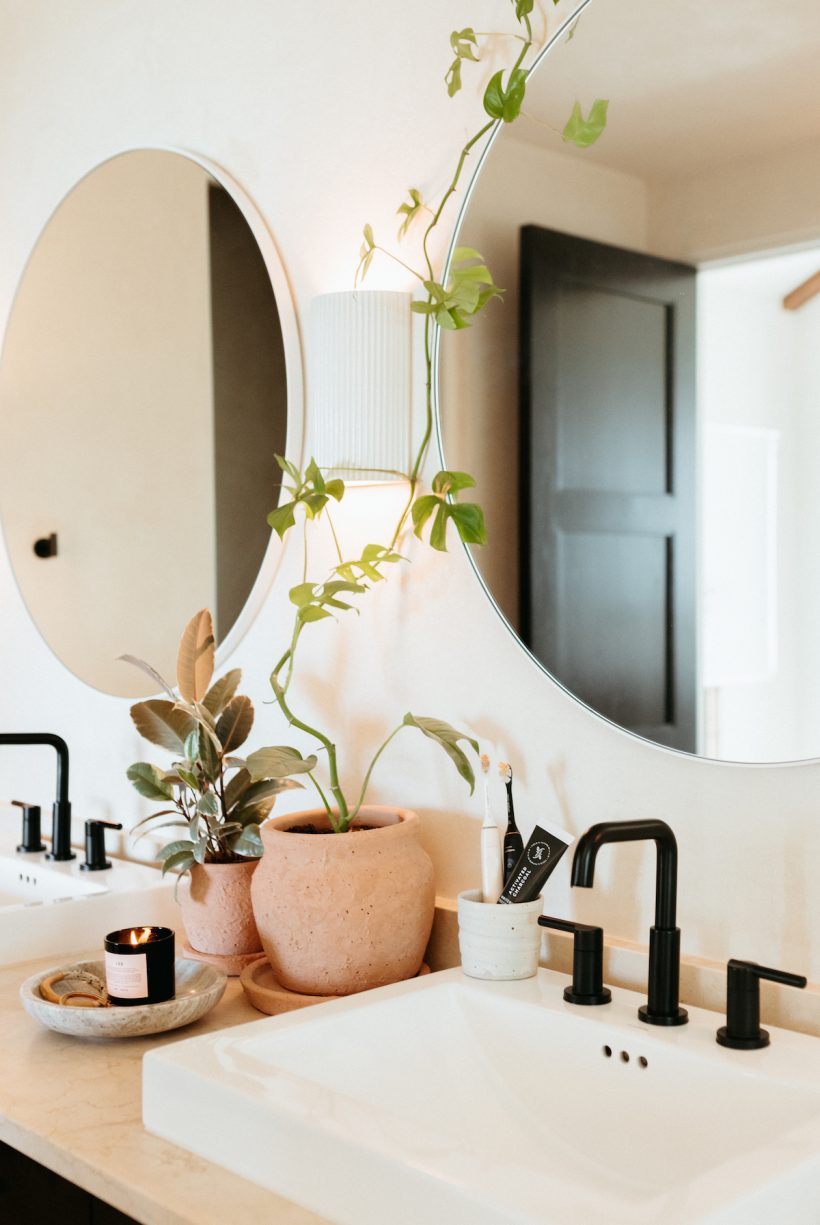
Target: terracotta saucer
point(267, 994)
point(231, 964)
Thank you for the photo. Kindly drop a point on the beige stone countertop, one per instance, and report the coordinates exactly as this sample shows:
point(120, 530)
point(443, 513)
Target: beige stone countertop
point(74, 1105)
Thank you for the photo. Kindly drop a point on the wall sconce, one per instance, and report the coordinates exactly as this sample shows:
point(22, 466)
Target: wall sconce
point(359, 385)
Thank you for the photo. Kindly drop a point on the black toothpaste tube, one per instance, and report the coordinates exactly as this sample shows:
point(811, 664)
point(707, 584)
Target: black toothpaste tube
point(535, 864)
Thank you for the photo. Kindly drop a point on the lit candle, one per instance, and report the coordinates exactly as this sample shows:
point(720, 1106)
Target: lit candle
point(139, 965)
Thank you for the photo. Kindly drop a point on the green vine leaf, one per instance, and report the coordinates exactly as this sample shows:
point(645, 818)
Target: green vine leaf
point(367, 566)
point(464, 46)
point(366, 253)
point(502, 102)
point(447, 738)
point(466, 517)
point(278, 762)
point(311, 491)
point(469, 288)
point(584, 132)
point(409, 211)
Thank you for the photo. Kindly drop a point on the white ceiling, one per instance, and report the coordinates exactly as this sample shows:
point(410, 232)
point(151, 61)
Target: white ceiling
point(691, 84)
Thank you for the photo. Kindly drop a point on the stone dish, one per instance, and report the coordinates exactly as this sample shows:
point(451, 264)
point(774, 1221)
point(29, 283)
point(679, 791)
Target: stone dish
point(198, 988)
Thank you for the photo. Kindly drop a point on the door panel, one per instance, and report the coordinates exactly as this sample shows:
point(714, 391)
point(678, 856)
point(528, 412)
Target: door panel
point(607, 468)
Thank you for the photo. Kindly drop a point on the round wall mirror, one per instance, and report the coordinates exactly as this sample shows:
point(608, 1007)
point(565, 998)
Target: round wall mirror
point(641, 412)
point(143, 394)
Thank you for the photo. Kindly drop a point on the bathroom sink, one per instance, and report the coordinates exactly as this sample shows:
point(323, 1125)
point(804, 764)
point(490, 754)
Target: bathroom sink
point(52, 909)
point(479, 1103)
point(27, 884)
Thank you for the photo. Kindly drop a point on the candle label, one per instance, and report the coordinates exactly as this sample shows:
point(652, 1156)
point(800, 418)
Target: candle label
point(126, 975)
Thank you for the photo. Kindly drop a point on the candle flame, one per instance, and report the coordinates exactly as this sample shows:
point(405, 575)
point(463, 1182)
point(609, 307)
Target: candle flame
point(141, 937)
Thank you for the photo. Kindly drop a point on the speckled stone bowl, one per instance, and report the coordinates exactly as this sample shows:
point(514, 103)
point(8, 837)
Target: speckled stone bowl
point(198, 988)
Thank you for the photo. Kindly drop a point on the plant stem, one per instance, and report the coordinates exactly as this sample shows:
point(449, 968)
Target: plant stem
point(331, 760)
point(370, 768)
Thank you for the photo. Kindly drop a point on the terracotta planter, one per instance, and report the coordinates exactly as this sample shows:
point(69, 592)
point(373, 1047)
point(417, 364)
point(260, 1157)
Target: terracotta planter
point(339, 913)
point(216, 910)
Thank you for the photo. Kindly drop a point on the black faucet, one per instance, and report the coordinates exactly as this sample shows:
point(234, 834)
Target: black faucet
point(661, 1007)
point(61, 811)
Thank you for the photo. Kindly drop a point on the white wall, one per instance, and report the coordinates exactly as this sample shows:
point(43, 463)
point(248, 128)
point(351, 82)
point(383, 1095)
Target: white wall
point(325, 116)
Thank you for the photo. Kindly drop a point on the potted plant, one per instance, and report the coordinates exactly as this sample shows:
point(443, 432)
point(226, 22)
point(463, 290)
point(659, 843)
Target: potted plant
point(215, 799)
point(345, 912)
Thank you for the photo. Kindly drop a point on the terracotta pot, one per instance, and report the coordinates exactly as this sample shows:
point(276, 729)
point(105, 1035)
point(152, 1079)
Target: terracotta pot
point(216, 910)
point(339, 913)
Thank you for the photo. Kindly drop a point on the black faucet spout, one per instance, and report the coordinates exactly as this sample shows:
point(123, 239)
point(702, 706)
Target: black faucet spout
point(61, 822)
point(664, 938)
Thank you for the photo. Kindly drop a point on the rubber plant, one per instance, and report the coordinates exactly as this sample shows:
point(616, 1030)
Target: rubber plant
point(452, 304)
point(214, 798)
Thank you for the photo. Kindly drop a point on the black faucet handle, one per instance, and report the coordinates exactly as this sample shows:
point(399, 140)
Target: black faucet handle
point(31, 840)
point(95, 860)
point(742, 1029)
point(587, 961)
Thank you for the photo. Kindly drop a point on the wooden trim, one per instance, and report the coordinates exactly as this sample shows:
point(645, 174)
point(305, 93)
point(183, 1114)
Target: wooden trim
point(798, 297)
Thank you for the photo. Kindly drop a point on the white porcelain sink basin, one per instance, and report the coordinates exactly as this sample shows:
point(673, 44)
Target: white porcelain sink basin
point(30, 884)
point(450, 1100)
point(52, 909)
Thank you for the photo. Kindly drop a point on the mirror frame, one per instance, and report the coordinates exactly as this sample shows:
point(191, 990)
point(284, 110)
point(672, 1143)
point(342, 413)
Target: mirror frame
point(294, 377)
point(566, 23)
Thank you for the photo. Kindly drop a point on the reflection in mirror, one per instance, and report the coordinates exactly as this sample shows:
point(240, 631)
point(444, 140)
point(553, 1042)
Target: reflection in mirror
point(641, 411)
point(142, 398)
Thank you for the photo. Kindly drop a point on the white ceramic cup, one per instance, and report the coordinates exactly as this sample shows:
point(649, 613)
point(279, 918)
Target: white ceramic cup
point(499, 942)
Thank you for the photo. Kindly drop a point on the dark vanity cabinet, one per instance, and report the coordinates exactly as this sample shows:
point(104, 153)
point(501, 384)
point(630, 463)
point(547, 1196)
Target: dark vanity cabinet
point(30, 1194)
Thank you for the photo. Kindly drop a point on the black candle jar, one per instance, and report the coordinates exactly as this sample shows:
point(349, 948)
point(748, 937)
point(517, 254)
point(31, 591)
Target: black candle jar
point(139, 965)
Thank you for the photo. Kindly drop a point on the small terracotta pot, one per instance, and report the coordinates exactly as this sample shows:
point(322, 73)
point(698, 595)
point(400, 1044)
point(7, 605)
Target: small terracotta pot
point(216, 911)
point(339, 913)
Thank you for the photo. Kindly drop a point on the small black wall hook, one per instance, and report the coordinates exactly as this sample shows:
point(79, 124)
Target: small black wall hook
point(46, 546)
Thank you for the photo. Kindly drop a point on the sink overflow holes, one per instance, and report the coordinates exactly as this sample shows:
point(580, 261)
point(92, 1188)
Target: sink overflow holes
point(624, 1056)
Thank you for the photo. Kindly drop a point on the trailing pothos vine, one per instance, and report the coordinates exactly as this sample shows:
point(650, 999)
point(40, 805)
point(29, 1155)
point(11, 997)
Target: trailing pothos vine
point(452, 304)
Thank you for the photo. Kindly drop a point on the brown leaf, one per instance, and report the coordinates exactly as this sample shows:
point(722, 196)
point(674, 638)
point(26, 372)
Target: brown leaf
point(234, 724)
point(221, 692)
point(195, 662)
point(163, 723)
point(236, 788)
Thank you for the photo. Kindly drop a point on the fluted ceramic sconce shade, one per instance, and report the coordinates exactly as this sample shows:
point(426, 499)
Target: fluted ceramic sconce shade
point(358, 385)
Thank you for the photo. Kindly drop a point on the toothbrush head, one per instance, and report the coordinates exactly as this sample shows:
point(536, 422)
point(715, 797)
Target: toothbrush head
point(485, 763)
point(505, 770)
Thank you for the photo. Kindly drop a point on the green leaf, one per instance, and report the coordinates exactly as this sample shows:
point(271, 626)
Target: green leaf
point(523, 8)
point(191, 746)
point(505, 102)
point(422, 509)
point(302, 594)
point(313, 613)
point(221, 692)
point(162, 723)
point(235, 723)
point(174, 848)
point(208, 804)
point(282, 518)
point(195, 660)
point(464, 44)
point(188, 778)
point(180, 863)
point(366, 253)
point(468, 518)
point(149, 781)
point(445, 482)
point(236, 789)
point(248, 842)
point(584, 132)
point(208, 756)
point(447, 737)
point(438, 534)
point(278, 762)
point(452, 77)
point(409, 211)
